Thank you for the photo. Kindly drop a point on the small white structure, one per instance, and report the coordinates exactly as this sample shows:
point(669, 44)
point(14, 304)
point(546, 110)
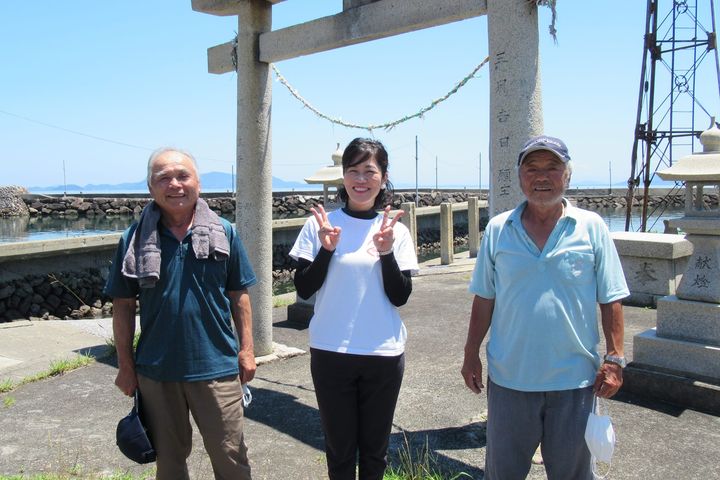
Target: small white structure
point(329, 176)
point(683, 352)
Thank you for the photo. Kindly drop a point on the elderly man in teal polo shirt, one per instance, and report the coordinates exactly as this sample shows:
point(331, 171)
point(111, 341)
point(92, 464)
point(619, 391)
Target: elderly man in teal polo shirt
point(541, 270)
point(190, 273)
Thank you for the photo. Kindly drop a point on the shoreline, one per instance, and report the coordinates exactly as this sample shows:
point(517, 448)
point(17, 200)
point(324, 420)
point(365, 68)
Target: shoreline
point(298, 204)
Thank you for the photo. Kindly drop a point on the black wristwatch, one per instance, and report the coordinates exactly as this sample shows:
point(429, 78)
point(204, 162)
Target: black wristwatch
point(616, 360)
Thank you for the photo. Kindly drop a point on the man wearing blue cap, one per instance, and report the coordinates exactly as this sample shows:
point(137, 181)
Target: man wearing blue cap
point(541, 270)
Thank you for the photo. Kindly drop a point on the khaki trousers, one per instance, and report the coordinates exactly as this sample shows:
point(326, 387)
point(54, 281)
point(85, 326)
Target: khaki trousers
point(216, 407)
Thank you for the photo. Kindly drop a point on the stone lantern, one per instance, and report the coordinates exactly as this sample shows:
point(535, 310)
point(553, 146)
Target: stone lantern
point(331, 175)
point(701, 173)
point(679, 360)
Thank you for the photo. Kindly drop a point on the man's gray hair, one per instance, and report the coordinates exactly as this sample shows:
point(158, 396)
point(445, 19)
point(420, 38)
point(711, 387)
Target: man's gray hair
point(154, 156)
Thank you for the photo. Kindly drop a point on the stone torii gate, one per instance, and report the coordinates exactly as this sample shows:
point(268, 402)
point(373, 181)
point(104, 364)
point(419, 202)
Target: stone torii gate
point(515, 97)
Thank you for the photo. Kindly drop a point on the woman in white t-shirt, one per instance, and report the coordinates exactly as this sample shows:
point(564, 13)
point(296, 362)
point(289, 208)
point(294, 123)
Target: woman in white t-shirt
point(359, 263)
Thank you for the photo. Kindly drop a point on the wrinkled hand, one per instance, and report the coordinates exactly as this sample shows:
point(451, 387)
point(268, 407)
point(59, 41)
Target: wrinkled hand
point(329, 236)
point(126, 381)
point(608, 380)
point(246, 362)
point(472, 373)
point(385, 237)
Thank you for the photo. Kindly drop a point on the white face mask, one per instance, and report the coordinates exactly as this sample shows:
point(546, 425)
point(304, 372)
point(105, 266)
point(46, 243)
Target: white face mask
point(599, 435)
point(247, 395)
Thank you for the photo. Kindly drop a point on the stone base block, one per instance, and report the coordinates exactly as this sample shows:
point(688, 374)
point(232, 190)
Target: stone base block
point(653, 264)
point(671, 387)
point(300, 313)
point(694, 360)
point(688, 320)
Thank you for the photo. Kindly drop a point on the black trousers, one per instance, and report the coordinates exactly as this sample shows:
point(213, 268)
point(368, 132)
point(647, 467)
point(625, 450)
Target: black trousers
point(356, 395)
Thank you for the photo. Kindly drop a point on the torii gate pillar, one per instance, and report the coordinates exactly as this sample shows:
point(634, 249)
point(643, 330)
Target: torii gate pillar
point(253, 201)
point(253, 207)
point(515, 95)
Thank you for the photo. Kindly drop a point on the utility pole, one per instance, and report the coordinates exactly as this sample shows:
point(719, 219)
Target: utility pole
point(416, 172)
point(436, 173)
point(64, 180)
point(479, 173)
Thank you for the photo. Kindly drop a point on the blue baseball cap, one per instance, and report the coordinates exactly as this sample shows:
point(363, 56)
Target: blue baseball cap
point(132, 436)
point(543, 142)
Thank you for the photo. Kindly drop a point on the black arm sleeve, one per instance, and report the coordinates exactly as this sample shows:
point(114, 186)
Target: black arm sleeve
point(309, 276)
point(398, 285)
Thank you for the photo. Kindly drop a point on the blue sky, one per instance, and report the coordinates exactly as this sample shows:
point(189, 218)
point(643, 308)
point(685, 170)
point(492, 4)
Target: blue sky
point(98, 85)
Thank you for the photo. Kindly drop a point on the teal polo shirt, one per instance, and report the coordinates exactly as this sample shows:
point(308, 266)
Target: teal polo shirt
point(544, 332)
point(185, 319)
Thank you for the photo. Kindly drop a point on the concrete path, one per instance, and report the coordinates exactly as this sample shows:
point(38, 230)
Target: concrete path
point(67, 424)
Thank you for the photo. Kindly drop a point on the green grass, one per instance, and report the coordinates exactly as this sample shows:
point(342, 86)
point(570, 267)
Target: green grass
point(282, 301)
point(8, 401)
point(58, 367)
point(6, 385)
point(283, 286)
point(112, 350)
point(418, 464)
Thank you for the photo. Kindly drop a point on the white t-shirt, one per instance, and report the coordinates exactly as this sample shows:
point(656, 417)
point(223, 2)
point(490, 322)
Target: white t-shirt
point(352, 312)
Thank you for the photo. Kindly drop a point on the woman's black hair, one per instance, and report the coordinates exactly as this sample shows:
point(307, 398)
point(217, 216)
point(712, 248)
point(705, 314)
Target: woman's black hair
point(360, 150)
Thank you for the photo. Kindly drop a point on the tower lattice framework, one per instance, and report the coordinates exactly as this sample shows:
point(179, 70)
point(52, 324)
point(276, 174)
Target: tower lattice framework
point(679, 88)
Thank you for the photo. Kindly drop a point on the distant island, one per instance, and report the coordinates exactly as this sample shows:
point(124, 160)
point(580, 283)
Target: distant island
point(210, 182)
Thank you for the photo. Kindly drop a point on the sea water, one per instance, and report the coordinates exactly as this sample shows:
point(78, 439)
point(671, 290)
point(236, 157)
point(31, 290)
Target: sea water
point(25, 229)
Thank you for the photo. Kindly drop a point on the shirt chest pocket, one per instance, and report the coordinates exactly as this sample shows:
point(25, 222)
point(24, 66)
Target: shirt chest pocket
point(577, 267)
point(210, 271)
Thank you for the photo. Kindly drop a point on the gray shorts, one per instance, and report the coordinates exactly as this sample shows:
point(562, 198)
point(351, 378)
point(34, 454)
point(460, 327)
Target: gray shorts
point(519, 421)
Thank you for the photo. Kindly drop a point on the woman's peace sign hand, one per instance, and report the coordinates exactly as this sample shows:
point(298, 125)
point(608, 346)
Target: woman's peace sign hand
point(386, 236)
point(329, 236)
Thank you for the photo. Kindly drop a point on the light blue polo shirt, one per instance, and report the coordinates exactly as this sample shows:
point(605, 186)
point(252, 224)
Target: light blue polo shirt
point(544, 332)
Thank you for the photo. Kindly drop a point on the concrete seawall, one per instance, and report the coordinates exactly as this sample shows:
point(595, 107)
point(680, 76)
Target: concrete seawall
point(298, 204)
point(285, 205)
point(63, 278)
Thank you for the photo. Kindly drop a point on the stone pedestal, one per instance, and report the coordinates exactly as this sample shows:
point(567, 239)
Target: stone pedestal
point(679, 361)
point(691, 359)
point(688, 320)
point(653, 264)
